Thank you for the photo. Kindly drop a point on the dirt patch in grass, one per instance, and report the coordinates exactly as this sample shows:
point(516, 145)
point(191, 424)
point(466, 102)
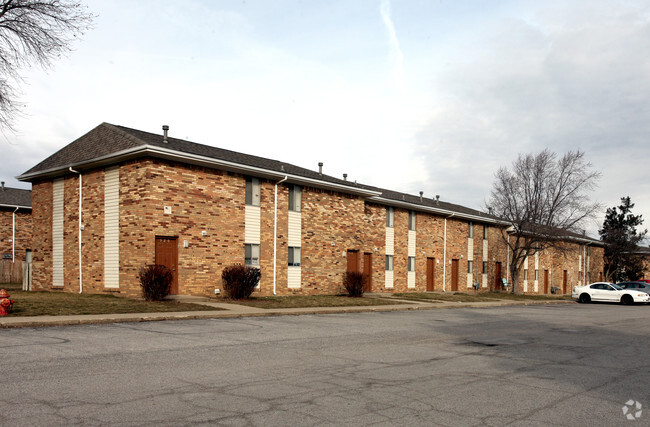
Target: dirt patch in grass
point(312, 301)
point(65, 303)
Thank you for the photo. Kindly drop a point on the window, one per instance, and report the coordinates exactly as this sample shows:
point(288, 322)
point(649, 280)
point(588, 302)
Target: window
point(470, 230)
point(485, 232)
point(295, 198)
point(485, 267)
point(469, 266)
point(390, 217)
point(294, 256)
point(411, 263)
point(389, 262)
point(536, 274)
point(525, 274)
point(252, 191)
point(252, 255)
point(412, 216)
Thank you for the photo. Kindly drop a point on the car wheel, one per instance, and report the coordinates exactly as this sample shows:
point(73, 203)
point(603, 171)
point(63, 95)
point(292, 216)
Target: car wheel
point(627, 300)
point(584, 298)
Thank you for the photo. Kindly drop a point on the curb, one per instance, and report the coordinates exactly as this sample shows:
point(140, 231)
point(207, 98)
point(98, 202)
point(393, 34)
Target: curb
point(93, 319)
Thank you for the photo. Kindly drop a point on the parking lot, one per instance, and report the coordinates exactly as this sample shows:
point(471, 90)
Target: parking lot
point(576, 364)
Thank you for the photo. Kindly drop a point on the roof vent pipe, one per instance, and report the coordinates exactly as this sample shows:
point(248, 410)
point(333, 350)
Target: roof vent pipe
point(320, 168)
point(3, 185)
point(437, 199)
point(165, 129)
point(345, 177)
point(421, 194)
point(490, 210)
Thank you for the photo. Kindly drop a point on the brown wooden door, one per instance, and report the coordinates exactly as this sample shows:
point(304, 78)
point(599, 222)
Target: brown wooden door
point(353, 261)
point(565, 280)
point(167, 255)
point(431, 269)
point(498, 280)
point(454, 275)
point(545, 281)
point(367, 272)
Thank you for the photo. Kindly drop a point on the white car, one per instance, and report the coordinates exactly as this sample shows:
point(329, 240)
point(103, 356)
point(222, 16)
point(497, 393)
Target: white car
point(605, 291)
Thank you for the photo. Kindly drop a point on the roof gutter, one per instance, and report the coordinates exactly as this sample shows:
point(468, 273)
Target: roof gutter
point(2, 205)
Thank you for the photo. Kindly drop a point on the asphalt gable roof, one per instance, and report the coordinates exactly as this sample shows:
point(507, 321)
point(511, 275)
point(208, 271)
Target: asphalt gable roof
point(15, 197)
point(107, 141)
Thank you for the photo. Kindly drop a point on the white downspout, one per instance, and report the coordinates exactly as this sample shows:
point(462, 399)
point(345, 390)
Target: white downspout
point(275, 233)
point(13, 236)
point(508, 263)
point(80, 230)
point(444, 258)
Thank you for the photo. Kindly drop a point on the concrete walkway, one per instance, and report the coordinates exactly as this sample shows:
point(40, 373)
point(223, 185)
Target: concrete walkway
point(230, 310)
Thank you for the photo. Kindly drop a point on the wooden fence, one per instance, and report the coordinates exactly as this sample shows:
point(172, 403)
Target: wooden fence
point(11, 272)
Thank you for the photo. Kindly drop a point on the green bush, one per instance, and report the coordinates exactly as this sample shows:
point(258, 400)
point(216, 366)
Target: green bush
point(239, 281)
point(155, 281)
point(353, 282)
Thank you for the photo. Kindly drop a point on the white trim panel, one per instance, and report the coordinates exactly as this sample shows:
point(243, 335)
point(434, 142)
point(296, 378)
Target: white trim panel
point(112, 228)
point(252, 216)
point(294, 277)
point(57, 232)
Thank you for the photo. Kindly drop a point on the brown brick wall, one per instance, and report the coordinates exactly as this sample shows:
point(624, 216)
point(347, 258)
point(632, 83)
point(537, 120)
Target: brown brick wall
point(23, 233)
point(42, 232)
point(213, 201)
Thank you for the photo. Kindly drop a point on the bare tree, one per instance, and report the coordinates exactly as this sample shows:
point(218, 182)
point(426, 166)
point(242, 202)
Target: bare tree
point(544, 200)
point(34, 32)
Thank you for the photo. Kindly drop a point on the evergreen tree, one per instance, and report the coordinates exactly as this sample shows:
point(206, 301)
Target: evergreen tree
point(622, 260)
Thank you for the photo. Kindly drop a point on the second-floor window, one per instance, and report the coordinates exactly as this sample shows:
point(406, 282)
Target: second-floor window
point(294, 256)
point(295, 198)
point(390, 217)
point(412, 216)
point(252, 191)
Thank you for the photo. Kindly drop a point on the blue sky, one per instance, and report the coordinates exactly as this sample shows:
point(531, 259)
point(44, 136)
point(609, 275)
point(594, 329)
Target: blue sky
point(413, 96)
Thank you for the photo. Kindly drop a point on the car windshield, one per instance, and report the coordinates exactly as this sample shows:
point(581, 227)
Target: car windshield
point(618, 288)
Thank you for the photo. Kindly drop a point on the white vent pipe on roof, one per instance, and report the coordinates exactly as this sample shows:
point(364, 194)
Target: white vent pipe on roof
point(165, 129)
point(320, 168)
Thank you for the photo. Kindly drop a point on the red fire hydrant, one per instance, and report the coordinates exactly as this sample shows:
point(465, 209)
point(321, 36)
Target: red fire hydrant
point(6, 304)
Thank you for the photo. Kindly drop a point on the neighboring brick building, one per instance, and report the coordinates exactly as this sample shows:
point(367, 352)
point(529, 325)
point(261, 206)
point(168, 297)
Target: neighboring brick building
point(15, 223)
point(118, 198)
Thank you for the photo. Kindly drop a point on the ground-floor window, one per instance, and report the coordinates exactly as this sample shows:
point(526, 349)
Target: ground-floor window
point(252, 255)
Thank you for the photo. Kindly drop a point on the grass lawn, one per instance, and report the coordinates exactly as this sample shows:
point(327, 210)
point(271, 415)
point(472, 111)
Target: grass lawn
point(62, 304)
point(484, 296)
point(312, 301)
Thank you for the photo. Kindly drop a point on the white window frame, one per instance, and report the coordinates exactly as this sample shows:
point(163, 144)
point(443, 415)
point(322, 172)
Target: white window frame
point(390, 262)
point(390, 217)
point(295, 252)
point(412, 220)
point(250, 250)
point(295, 198)
point(411, 263)
point(253, 190)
